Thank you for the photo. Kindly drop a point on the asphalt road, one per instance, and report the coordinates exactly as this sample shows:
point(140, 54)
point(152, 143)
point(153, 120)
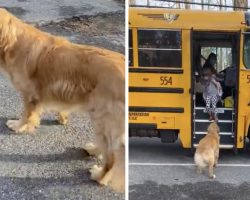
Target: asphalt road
point(37, 11)
point(51, 164)
point(166, 171)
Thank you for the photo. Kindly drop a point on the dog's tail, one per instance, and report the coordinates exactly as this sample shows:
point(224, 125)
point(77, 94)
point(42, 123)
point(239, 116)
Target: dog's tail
point(199, 161)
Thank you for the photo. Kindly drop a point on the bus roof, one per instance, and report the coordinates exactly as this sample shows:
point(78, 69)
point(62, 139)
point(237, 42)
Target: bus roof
point(186, 19)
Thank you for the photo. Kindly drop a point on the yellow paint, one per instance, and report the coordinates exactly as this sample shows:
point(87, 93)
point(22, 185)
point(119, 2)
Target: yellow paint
point(244, 100)
point(206, 20)
point(154, 80)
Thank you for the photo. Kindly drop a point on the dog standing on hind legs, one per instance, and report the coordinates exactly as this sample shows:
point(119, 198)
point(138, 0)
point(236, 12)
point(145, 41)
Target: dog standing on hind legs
point(52, 73)
point(207, 152)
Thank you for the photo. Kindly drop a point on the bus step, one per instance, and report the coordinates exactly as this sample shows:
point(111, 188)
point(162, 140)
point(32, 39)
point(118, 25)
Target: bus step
point(219, 121)
point(224, 125)
point(223, 113)
point(221, 133)
point(226, 138)
point(219, 109)
point(222, 146)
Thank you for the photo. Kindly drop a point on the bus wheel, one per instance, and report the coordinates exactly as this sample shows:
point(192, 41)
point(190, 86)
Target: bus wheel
point(192, 151)
point(168, 136)
point(189, 152)
point(236, 151)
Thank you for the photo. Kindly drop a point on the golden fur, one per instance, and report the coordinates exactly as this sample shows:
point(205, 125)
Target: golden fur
point(52, 73)
point(207, 152)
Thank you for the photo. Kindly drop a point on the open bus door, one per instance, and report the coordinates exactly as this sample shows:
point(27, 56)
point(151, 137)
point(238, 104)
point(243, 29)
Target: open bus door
point(227, 115)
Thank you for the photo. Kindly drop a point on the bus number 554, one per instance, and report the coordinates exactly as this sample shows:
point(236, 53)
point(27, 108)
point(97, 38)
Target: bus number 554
point(248, 79)
point(165, 80)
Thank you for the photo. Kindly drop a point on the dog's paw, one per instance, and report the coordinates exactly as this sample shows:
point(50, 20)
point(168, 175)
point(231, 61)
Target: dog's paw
point(26, 128)
point(91, 149)
point(96, 173)
point(13, 125)
point(117, 184)
point(213, 176)
point(16, 126)
point(63, 118)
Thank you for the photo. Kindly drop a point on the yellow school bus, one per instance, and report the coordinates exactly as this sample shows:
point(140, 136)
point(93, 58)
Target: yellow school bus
point(167, 49)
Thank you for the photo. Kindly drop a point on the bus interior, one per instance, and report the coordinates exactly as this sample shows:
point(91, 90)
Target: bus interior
point(224, 45)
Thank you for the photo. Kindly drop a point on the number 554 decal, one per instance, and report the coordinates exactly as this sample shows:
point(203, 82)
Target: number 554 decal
point(166, 80)
point(248, 79)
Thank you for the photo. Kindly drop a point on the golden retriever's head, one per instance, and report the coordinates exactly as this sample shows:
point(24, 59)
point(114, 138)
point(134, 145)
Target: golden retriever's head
point(213, 128)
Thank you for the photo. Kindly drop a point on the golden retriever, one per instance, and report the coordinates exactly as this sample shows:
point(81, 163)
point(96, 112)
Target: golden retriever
point(53, 74)
point(207, 152)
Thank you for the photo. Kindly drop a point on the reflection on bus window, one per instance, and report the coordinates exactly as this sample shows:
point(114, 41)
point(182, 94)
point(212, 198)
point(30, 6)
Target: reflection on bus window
point(130, 45)
point(163, 39)
point(247, 51)
point(159, 48)
point(149, 58)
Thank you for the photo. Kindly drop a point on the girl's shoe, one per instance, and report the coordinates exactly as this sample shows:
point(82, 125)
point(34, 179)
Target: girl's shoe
point(215, 118)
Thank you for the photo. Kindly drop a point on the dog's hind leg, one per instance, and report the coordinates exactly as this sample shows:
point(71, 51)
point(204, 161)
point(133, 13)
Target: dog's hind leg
point(112, 149)
point(211, 170)
point(116, 149)
point(30, 118)
point(199, 169)
point(97, 172)
point(115, 177)
point(216, 157)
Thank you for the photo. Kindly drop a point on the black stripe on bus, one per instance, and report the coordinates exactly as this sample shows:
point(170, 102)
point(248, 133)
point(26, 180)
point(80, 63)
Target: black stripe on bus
point(156, 109)
point(159, 71)
point(156, 90)
point(142, 126)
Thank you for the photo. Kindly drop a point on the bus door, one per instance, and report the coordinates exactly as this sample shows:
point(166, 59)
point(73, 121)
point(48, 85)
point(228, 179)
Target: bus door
point(244, 90)
point(225, 45)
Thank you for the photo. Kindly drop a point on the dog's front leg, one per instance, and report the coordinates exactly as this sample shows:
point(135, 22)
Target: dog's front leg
point(216, 157)
point(30, 118)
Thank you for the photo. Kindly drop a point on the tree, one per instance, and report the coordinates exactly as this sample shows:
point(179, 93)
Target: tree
point(240, 3)
point(131, 2)
point(187, 5)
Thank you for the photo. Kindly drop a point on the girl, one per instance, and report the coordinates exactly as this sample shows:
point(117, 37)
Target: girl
point(212, 93)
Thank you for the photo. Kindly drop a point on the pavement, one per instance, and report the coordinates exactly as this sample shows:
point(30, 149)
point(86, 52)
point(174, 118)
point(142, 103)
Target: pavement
point(37, 11)
point(167, 172)
point(51, 164)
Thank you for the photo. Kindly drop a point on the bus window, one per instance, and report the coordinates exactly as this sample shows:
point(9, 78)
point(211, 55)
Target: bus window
point(130, 45)
point(247, 51)
point(159, 48)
